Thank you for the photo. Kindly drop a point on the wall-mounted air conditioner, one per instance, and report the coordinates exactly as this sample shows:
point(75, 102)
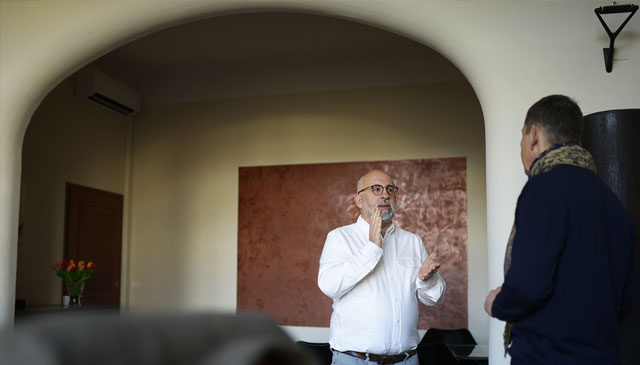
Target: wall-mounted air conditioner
point(107, 91)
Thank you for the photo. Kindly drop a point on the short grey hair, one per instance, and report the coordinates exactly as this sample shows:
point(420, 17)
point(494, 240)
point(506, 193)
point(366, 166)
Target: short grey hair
point(359, 182)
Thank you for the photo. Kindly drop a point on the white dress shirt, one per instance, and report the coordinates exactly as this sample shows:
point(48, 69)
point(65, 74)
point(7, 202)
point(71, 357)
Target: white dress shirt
point(374, 289)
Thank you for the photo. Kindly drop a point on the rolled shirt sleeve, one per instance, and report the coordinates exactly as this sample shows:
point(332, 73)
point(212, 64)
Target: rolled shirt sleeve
point(431, 291)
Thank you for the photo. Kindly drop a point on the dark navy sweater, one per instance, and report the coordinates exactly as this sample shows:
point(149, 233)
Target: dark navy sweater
point(572, 271)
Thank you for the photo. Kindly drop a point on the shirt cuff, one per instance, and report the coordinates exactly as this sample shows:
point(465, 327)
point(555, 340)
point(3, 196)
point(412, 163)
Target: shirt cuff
point(429, 283)
point(431, 291)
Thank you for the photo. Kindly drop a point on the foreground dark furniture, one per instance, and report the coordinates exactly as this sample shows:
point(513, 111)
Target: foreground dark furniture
point(435, 354)
point(318, 350)
point(80, 338)
point(460, 336)
point(443, 346)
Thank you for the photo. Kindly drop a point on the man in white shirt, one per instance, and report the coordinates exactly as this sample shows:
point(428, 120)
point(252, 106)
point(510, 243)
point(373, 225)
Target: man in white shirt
point(375, 272)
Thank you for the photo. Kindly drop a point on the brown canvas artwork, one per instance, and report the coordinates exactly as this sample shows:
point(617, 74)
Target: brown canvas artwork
point(285, 213)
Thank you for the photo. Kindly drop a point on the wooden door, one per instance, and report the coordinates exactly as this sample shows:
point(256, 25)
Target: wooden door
point(93, 232)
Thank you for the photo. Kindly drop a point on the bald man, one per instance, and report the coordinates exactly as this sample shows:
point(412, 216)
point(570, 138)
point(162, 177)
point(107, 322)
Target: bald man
point(375, 273)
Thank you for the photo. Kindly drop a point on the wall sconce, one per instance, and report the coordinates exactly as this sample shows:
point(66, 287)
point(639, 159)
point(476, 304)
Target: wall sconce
point(613, 9)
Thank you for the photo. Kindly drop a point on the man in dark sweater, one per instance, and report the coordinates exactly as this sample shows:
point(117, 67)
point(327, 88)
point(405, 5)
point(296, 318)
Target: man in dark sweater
point(570, 263)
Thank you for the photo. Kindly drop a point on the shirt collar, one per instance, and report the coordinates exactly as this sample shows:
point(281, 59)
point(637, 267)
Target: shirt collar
point(364, 226)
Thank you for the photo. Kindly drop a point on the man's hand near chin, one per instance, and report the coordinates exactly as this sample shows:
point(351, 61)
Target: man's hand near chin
point(375, 228)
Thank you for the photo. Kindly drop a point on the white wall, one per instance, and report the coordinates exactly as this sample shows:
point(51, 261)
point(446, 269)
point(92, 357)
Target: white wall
point(68, 140)
point(185, 169)
point(185, 177)
point(513, 53)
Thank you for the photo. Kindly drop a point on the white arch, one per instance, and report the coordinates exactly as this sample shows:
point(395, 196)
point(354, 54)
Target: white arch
point(509, 58)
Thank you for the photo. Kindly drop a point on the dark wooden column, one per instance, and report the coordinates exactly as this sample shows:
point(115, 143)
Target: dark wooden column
point(613, 138)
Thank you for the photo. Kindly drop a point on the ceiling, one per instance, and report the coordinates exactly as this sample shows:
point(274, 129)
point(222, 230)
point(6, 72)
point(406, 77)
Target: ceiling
point(270, 53)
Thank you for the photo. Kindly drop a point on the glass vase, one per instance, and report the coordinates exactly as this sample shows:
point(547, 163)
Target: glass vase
point(74, 301)
point(75, 293)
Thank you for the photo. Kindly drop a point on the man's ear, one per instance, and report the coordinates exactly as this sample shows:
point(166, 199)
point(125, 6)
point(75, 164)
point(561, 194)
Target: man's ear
point(539, 139)
point(358, 200)
point(533, 141)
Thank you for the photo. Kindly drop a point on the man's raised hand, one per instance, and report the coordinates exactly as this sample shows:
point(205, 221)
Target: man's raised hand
point(430, 266)
point(375, 228)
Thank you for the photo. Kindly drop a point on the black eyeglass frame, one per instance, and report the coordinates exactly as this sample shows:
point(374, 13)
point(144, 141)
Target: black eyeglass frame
point(391, 189)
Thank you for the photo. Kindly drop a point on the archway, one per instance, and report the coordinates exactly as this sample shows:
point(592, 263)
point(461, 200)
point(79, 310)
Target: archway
point(419, 54)
point(428, 27)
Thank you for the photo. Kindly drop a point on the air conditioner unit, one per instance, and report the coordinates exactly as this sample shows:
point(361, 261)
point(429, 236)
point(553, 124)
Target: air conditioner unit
point(107, 91)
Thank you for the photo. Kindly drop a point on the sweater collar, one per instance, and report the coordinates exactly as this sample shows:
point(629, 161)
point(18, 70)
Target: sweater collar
point(562, 154)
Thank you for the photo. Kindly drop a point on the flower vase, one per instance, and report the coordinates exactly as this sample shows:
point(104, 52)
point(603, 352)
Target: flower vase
point(74, 301)
point(75, 292)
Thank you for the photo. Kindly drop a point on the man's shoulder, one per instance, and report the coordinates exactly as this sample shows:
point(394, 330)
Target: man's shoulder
point(346, 229)
point(563, 177)
point(579, 186)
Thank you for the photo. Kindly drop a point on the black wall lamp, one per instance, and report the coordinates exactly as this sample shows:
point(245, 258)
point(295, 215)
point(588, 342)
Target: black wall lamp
point(613, 9)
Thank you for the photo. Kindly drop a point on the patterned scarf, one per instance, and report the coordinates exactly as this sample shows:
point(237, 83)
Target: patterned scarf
point(559, 154)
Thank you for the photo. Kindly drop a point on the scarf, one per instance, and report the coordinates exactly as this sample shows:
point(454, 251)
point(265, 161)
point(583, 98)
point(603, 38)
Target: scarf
point(559, 154)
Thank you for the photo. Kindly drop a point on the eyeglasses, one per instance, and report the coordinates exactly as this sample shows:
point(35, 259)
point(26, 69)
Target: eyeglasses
point(378, 189)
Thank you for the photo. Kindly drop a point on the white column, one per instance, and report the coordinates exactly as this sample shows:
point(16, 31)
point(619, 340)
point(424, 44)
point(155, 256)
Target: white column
point(505, 178)
point(10, 165)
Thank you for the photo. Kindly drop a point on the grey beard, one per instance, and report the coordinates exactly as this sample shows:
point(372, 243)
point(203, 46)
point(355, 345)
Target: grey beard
point(387, 215)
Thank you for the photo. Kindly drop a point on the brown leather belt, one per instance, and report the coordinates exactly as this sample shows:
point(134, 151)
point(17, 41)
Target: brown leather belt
point(382, 359)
